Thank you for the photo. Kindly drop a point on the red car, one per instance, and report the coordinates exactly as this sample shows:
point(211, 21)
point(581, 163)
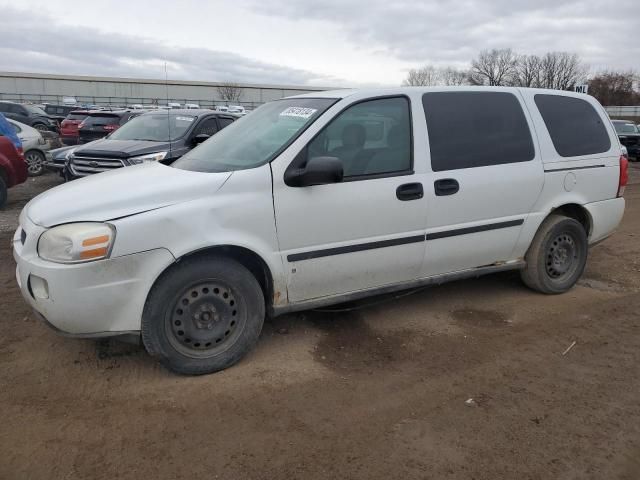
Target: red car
point(69, 131)
point(13, 168)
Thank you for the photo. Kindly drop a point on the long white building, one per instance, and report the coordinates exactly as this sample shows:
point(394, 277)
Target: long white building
point(39, 88)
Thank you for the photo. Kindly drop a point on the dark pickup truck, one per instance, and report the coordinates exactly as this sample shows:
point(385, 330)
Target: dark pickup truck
point(629, 136)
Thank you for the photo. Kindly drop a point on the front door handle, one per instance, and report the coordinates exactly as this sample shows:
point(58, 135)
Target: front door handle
point(410, 191)
point(446, 186)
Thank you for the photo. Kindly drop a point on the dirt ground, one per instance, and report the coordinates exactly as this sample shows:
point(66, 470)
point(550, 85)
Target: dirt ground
point(377, 393)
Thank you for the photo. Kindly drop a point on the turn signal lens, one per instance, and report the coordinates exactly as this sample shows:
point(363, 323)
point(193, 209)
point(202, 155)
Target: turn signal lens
point(77, 242)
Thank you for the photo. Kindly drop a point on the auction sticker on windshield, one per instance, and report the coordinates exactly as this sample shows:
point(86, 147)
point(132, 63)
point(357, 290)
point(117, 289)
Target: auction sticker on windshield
point(301, 112)
point(185, 119)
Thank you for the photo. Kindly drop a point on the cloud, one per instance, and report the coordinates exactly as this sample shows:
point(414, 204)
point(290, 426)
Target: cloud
point(36, 43)
point(453, 32)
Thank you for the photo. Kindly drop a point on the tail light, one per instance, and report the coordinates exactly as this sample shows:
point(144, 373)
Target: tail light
point(110, 128)
point(624, 175)
point(20, 151)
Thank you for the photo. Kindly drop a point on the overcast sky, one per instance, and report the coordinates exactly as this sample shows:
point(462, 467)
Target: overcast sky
point(312, 42)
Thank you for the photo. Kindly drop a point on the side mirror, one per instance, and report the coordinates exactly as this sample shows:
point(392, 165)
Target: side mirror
point(318, 171)
point(201, 137)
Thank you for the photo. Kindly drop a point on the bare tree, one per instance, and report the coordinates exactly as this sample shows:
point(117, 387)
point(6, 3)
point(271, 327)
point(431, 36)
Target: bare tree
point(426, 76)
point(615, 88)
point(453, 77)
point(494, 67)
point(561, 70)
point(229, 91)
point(527, 71)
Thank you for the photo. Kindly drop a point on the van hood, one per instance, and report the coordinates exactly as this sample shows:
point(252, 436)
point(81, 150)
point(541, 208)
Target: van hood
point(120, 193)
point(121, 148)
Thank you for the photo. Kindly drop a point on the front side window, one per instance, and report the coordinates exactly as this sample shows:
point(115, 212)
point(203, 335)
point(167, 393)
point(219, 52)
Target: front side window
point(573, 124)
point(369, 138)
point(225, 122)
point(257, 138)
point(208, 126)
point(155, 127)
point(476, 129)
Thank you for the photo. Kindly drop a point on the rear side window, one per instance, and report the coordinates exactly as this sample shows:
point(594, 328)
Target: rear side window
point(476, 129)
point(573, 124)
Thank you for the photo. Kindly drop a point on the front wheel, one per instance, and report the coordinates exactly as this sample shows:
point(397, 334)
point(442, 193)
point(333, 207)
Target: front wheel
point(35, 162)
point(557, 256)
point(203, 315)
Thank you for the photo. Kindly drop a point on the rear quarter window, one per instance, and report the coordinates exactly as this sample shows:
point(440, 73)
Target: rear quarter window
point(476, 129)
point(573, 124)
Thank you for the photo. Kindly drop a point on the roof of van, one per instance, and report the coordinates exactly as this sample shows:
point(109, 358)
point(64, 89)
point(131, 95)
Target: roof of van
point(373, 92)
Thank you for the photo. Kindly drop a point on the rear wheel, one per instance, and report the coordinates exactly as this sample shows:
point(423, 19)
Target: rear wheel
point(203, 315)
point(35, 162)
point(557, 255)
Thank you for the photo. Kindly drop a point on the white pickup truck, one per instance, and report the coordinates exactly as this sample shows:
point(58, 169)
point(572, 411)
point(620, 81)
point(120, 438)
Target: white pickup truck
point(320, 199)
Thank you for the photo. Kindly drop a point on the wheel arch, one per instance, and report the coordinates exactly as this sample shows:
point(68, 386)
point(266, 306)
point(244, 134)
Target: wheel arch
point(578, 213)
point(246, 257)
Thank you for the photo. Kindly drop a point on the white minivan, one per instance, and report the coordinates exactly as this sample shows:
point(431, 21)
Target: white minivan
point(320, 199)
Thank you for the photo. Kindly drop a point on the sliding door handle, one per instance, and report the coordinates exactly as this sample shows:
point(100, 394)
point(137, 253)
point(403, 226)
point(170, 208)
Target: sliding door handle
point(446, 186)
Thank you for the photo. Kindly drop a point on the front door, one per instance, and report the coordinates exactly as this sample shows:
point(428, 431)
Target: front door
point(368, 230)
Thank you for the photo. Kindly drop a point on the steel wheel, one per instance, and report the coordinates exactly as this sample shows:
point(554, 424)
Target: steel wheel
point(41, 127)
point(205, 320)
point(35, 162)
point(562, 257)
point(557, 255)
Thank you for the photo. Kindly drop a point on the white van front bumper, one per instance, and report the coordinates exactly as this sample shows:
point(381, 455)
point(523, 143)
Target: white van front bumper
point(92, 299)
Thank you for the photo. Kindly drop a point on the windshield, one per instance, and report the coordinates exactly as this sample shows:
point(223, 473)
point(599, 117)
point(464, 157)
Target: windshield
point(255, 139)
point(156, 127)
point(625, 127)
point(35, 110)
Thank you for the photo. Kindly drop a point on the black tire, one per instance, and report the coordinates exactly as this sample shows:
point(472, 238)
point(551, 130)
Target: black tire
point(557, 256)
point(3, 192)
point(203, 315)
point(35, 162)
point(41, 127)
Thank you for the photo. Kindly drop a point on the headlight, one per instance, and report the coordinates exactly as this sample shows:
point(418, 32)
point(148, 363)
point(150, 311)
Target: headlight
point(77, 242)
point(149, 157)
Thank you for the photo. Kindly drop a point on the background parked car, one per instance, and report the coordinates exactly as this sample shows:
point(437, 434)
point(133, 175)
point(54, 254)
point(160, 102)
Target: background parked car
point(57, 159)
point(159, 136)
point(35, 147)
point(100, 124)
point(69, 127)
point(59, 112)
point(13, 169)
point(29, 115)
point(237, 109)
point(629, 136)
